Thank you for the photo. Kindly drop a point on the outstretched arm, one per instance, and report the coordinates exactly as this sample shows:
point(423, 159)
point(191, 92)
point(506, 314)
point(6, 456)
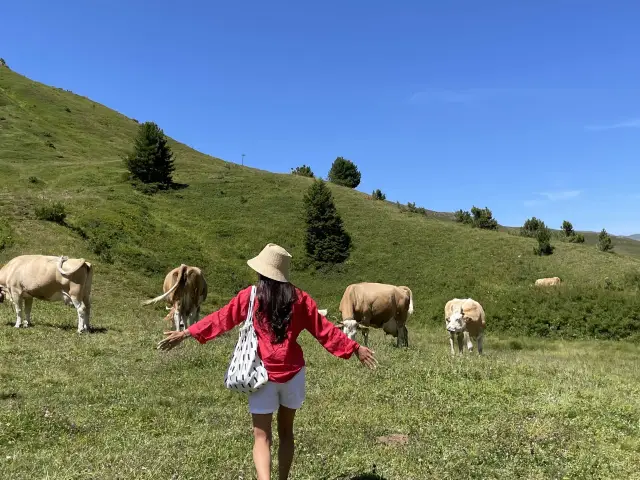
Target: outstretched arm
point(333, 339)
point(214, 324)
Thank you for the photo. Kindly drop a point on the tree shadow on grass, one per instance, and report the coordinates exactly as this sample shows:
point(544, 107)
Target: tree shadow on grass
point(361, 476)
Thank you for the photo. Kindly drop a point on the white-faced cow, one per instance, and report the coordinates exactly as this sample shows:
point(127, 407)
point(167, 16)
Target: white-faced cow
point(48, 278)
point(376, 305)
point(464, 318)
point(184, 290)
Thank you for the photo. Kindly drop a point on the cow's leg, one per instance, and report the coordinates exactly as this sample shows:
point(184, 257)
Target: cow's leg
point(81, 308)
point(365, 336)
point(451, 337)
point(28, 303)
point(479, 341)
point(467, 340)
point(17, 303)
point(460, 342)
point(176, 319)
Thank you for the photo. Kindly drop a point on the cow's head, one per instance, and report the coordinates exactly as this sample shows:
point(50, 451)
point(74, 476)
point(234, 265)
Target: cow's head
point(456, 322)
point(349, 328)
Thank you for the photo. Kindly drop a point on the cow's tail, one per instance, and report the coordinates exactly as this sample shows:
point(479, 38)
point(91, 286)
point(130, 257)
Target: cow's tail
point(61, 260)
point(181, 279)
point(410, 311)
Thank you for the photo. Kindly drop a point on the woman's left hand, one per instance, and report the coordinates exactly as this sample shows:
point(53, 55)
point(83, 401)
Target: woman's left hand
point(172, 339)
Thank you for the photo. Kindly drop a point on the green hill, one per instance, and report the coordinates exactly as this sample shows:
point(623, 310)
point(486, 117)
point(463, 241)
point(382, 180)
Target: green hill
point(635, 236)
point(107, 405)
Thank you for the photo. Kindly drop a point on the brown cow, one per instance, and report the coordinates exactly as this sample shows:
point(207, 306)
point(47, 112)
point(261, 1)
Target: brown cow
point(548, 282)
point(184, 290)
point(376, 305)
point(465, 318)
point(47, 278)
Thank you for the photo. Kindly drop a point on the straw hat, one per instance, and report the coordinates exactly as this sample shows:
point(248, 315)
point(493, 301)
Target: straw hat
point(272, 262)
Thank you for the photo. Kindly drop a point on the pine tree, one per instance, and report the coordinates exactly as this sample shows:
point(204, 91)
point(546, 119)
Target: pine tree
point(344, 172)
point(604, 241)
point(151, 160)
point(567, 228)
point(326, 241)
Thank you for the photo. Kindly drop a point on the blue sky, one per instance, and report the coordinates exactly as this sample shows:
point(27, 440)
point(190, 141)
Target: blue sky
point(527, 107)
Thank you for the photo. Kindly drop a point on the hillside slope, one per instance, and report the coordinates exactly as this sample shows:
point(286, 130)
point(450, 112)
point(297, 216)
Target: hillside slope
point(55, 145)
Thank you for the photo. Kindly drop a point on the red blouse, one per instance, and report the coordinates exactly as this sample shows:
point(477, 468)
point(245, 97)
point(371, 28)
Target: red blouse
point(282, 361)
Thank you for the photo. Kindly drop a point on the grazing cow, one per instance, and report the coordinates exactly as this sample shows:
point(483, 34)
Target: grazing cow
point(464, 318)
point(548, 282)
point(47, 278)
point(184, 290)
point(376, 305)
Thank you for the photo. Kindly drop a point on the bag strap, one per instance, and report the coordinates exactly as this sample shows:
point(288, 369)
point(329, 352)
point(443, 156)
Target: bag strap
point(251, 302)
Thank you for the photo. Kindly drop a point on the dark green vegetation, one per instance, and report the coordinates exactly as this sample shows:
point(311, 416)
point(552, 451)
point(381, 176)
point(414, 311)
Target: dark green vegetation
point(303, 171)
point(327, 242)
point(107, 405)
point(345, 173)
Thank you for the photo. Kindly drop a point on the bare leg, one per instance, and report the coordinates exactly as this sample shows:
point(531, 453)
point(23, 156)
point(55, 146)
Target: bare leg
point(28, 303)
point(285, 435)
point(262, 444)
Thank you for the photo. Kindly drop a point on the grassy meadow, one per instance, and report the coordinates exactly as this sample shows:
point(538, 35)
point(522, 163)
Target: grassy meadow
point(555, 395)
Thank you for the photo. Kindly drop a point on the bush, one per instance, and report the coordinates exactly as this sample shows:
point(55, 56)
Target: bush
point(604, 241)
point(543, 235)
point(303, 171)
point(483, 218)
point(567, 228)
point(378, 195)
point(531, 227)
point(463, 216)
point(3, 63)
point(344, 172)
point(326, 240)
point(54, 212)
point(35, 180)
point(576, 238)
point(151, 161)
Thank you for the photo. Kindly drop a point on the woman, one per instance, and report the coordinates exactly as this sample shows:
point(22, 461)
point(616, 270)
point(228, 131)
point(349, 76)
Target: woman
point(281, 312)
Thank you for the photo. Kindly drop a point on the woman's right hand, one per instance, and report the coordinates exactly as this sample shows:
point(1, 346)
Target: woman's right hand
point(366, 356)
point(172, 339)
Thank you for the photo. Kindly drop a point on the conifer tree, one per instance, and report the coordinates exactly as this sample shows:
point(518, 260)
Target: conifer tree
point(326, 241)
point(151, 160)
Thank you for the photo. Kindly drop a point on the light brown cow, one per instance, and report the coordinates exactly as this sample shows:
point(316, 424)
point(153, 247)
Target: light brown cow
point(376, 305)
point(184, 290)
point(465, 318)
point(49, 278)
point(548, 282)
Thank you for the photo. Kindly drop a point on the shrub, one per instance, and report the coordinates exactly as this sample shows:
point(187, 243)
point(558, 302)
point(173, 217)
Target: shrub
point(3, 63)
point(35, 180)
point(543, 236)
point(54, 212)
point(483, 218)
point(151, 161)
point(463, 216)
point(344, 172)
point(303, 171)
point(604, 241)
point(576, 238)
point(326, 242)
point(567, 228)
point(531, 227)
point(378, 195)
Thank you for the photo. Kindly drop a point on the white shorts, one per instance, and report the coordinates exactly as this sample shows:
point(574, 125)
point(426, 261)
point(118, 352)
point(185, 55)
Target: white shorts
point(271, 395)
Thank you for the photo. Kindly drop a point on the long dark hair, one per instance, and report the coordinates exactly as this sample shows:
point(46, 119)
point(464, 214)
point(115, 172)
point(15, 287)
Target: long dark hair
point(275, 303)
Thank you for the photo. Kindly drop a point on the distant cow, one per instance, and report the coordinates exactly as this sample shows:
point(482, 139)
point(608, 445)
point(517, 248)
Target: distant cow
point(376, 305)
point(47, 278)
point(464, 318)
point(184, 290)
point(548, 282)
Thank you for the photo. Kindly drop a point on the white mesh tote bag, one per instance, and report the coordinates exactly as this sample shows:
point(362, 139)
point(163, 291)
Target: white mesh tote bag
point(246, 372)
